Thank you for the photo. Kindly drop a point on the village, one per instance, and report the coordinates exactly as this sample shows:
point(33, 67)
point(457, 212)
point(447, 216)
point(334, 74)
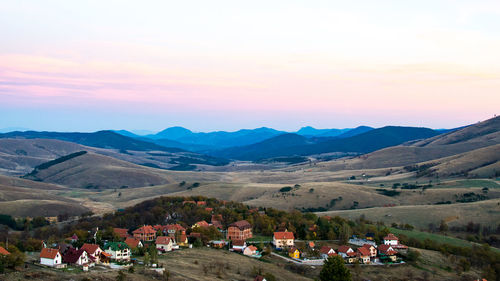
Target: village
point(145, 243)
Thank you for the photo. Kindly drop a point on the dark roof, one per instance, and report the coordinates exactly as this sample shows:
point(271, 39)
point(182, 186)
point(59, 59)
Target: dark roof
point(242, 225)
point(72, 255)
point(239, 243)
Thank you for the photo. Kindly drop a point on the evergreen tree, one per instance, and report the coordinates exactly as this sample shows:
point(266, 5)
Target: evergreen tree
point(334, 269)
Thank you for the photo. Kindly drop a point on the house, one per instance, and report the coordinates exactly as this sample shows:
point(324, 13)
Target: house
point(259, 278)
point(391, 239)
point(218, 225)
point(372, 249)
point(173, 229)
point(73, 238)
point(105, 258)
point(240, 230)
point(294, 253)
point(201, 224)
point(51, 257)
point(182, 239)
point(164, 243)
point(363, 255)
point(201, 203)
point(326, 252)
point(387, 253)
point(122, 232)
point(239, 245)
point(119, 251)
point(370, 236)
point(283, 239)
point(94, 252)
point(219, 244)
point(347, 253)
point(250, 251)
point(133, 243)
point(145, 233)
point(78, 257)
point(217, 217)
point(4, 252)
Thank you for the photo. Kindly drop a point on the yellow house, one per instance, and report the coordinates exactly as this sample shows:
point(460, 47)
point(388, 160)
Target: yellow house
point(294, 253)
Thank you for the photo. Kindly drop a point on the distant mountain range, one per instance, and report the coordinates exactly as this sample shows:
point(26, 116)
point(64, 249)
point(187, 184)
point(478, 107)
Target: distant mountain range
point(247, 144)
point(294, 144)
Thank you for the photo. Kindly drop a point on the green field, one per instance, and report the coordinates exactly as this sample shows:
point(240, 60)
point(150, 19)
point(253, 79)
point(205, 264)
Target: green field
point(471, 183)
point(420, 235)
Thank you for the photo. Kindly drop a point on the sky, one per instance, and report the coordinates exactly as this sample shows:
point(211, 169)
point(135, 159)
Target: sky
point(226, 65)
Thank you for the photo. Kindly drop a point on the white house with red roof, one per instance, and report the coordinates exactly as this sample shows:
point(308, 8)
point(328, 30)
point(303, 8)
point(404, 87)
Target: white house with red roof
point(363, 255)
point(164, 243)
point(51, 257)
point(94, 252)
point(282, 239)
point(327, 251)
point(387, 252)
point(393, 241)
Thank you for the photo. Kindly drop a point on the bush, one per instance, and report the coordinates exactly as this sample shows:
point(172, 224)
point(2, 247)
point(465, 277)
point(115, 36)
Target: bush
point(286, 189)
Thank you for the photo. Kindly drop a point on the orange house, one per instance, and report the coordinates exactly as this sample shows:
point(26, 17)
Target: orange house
point(145, 233)
point(240, 230)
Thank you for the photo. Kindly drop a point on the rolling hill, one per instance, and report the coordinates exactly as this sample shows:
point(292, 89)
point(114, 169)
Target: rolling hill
point(481, 135)
point(292, 144)
point(100, 139)
point(94, 171)
point(21, 197)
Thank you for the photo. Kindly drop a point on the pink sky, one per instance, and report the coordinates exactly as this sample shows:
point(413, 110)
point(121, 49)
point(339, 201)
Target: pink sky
point(226, 66)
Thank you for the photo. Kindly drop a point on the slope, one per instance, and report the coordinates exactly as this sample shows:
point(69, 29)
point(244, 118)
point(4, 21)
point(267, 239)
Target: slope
point(94, 171)
point(101, 139)
point(476, 136)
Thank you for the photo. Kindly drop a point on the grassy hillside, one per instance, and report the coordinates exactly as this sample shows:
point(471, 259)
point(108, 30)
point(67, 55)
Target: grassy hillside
point(20, 197)
point(94, 171)
point(483, 212)
point(101, 139)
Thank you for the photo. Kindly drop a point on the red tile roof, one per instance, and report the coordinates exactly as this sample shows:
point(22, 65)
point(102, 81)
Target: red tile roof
point(90, 248)
point(132, 242)
point(386, 250)
point(343, 249)
point(363, 251)
point(163, 240)
point(252, 248)
point(242, 225)
point(368, 246)
point(202, 224)
point(3, 251)
point(325, 250)
point(283, 235)
point(390, 236)
point(146, 229)
point(47, 253)
point(122, 232)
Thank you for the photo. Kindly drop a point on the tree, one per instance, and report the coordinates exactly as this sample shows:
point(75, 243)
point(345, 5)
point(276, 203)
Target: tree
point(334, 269)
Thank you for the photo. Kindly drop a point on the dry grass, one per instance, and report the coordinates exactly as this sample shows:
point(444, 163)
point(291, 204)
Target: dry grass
point(484, 212)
